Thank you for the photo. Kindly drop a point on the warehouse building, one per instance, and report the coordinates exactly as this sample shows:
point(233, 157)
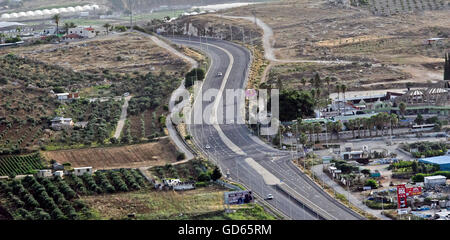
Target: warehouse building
point(433, 181)
point(442, 161)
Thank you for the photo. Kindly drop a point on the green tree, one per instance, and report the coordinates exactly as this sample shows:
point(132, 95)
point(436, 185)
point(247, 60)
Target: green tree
point(216, 174)
point(107, 26)
point(419, 119)
point(402, 108)
point(294, 104)
point(371, 182)
point(196, 74)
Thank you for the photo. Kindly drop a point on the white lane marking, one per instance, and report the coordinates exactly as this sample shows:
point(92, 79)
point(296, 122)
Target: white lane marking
point(268, 177)
point(217, 100)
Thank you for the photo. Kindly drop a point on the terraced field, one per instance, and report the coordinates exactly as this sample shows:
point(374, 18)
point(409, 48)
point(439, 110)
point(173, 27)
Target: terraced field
point(16, 165)
point(390, 7)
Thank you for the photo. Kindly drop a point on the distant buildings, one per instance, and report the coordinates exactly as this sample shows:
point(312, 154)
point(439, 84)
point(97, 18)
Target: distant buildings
point(59, 123)
point(83, 32)
point(67, 96)
point(82, 170)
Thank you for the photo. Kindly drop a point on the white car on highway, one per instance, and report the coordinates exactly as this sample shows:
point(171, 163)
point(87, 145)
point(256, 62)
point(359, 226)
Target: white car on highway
point(207, 146)
point(219, 74)
point(269, 196)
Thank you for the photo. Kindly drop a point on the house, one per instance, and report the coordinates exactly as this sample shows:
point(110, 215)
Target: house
point(59, 123)
point(82, 170)
point(57, 166)
point(81, 124)
point(67, 96)
point(44, 173)
point(62, 96)
point(72, 37)
point(85, 32)
point(171, 181)
point(58, 173)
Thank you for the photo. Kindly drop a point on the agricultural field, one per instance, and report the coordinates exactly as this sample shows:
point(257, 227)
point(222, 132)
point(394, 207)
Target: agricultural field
point(116, 53)
point(201, 203)
point(138, 155)
point(393, 45)
point(101, 118)
point(20, 164)
point(390, 7)
point(60, 199)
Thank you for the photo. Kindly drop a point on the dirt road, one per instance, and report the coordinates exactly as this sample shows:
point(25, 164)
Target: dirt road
point(123, 117)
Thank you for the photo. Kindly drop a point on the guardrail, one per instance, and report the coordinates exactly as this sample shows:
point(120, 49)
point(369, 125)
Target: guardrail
point(313, 207)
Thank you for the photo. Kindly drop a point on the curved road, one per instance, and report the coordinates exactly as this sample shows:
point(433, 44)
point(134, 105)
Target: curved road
point(232, 146)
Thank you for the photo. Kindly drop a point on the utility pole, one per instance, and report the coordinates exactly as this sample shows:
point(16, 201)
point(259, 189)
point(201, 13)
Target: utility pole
point(243, 35)
point(130, 4)
point(231, 32)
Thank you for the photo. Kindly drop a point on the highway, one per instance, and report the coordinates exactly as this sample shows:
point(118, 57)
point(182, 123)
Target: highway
point(248, 160)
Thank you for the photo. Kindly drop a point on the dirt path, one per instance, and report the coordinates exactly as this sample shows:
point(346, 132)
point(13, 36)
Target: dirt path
point(269, 41)
point(123, 117)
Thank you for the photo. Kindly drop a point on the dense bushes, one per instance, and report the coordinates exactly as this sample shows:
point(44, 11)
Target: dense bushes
point(427, 149)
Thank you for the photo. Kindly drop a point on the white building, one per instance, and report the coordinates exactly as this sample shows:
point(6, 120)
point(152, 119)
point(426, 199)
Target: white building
point(58, 173)
point(44, 173)
point(86, 32)
point(82, 170)
point(437, 180)
point(60, 122)
point(171, 181)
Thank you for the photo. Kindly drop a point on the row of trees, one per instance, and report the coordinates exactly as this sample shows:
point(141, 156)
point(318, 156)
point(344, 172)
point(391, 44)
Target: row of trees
point(381, 122)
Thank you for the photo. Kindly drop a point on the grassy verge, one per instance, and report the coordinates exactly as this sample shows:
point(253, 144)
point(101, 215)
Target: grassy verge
point(201, 203)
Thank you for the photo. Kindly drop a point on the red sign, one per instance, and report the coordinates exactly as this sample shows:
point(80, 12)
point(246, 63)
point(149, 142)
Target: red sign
point(401, 196)
point(413, 191)
point(403, 192)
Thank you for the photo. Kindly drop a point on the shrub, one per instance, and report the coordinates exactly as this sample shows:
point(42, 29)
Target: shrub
point(203, 177)
point(372, 183)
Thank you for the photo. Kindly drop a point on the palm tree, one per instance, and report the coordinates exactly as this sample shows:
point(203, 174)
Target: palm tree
point(311, 82)
point(358, 123)
point(338, 89)
point(344, 88)
point(337, 128)
point(402, 108)
point(351, 126)
point(107, 26)
point(317, 128)
point(56, 19)
point(310, 127)
point(303, 81)
point(67, 26)
point(317, 80)
point(394, 122)
point(2, 36)
point(329, 127)
point(327, 80)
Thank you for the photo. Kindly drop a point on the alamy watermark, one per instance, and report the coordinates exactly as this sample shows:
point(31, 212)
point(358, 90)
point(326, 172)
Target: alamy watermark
point(207, 109)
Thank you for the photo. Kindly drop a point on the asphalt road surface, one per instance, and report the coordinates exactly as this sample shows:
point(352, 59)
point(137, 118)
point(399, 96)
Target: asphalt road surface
point(233, 147)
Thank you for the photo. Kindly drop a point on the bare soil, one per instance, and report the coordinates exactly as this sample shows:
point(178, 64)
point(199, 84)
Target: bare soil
point(140, 155)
